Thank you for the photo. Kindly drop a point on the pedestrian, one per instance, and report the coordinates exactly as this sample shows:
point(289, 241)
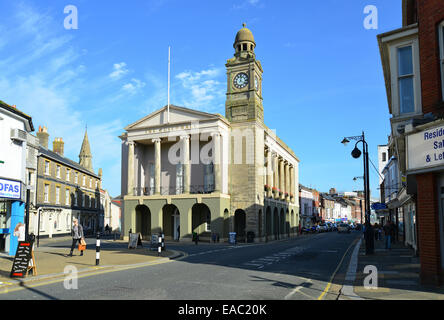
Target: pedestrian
point(394, 231)
point(387, 234)
point(77, 236)
point(20, 232)
point(376, 227)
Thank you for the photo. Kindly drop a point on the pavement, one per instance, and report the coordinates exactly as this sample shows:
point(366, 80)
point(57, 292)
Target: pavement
point(52, 257)
point(397, 273)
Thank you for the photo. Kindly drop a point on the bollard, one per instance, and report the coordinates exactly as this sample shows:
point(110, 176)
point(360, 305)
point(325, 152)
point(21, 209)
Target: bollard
point(163, 242)
point(98, 249)
point(159, 248)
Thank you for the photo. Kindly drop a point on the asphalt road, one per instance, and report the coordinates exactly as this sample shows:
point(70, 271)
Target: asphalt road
point(292, 269)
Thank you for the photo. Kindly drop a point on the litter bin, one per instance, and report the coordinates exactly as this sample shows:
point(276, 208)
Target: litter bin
point(232, 238)
point(250, 236)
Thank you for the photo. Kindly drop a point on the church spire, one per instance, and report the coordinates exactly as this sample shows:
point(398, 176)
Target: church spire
point(85, 156)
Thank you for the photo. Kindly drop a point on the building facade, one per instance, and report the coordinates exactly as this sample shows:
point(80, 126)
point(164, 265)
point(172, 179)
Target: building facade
point(15, 128)
point(186, 171)
point(412, 59)
point(65, 190)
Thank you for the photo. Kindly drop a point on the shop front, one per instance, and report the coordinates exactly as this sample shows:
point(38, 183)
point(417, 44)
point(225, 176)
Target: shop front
point(12, 211)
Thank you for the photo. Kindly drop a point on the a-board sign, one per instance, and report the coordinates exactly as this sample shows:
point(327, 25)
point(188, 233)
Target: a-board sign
point(154, 242)
point(135, 240)
point(21, 260)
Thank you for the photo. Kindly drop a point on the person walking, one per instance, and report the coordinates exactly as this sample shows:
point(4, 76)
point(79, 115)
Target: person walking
point(77, 236)
point(387, 234)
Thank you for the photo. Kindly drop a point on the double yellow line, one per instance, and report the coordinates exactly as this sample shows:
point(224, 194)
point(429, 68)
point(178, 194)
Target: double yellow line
point(337, 269)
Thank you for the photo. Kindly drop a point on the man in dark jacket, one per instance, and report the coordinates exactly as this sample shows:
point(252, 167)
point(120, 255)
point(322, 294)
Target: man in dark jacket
point(77, 236)
point(388, 234)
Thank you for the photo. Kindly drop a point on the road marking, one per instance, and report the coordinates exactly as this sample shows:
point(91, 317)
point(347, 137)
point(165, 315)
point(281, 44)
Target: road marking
point(334, 273)
point(87, 274)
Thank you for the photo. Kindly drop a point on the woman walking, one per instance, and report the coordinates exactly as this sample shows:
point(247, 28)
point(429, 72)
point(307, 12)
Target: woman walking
point(77, 236)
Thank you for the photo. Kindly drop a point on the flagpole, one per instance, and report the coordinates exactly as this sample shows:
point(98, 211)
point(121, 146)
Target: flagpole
point(169, 63)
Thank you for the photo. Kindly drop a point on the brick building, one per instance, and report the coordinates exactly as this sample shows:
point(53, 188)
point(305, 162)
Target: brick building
point(413, 65)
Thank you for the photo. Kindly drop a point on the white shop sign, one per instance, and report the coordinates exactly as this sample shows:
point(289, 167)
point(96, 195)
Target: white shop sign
point(10, 189)
point(425, 149)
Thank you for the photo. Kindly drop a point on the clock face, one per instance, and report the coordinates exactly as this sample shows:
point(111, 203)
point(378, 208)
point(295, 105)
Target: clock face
point(241, 80)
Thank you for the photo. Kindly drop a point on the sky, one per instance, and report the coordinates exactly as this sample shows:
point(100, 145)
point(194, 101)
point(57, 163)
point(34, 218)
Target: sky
point(322, 80)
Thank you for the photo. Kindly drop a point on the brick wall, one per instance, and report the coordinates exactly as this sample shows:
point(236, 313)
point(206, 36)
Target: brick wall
point(430, 14)
point(428, 228)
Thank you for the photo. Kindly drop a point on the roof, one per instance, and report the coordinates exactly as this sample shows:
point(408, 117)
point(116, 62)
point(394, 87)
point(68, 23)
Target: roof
point(244, 34)
point(56, 157)
point(14, 110)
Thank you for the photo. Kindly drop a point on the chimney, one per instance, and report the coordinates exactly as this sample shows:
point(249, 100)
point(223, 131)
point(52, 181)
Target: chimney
point(43, 137)
point(58, 146)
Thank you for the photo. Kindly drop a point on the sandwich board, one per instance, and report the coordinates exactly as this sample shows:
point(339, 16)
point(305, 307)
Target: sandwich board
point(23, 256)
point(135, 239)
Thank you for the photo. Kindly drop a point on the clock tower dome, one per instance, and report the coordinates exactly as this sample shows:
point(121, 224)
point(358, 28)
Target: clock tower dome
point(244, 81)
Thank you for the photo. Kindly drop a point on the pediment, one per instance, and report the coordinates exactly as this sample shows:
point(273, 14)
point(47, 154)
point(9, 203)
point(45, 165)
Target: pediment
point(176, 115)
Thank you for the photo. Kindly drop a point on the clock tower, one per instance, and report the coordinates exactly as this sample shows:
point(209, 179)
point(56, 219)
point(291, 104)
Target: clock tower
point(244, 81)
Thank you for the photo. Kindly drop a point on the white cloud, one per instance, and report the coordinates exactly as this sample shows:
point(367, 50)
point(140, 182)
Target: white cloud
point(119, 71)
point(134, 86)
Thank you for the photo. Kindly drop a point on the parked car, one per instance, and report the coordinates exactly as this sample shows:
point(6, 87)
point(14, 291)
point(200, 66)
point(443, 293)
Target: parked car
point(343, 227)
point(329, 226)
point(323, 227)
point(335, 227)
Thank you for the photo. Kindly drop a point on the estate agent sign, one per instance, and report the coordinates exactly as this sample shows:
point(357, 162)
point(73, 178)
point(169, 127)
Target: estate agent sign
point(425, 149)
point(10, 189)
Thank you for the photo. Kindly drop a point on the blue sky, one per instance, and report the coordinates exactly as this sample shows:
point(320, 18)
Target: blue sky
point(322, 72)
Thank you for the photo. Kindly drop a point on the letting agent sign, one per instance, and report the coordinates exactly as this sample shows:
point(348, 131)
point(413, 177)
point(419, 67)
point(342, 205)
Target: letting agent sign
point(425, 149)
point(10, 189)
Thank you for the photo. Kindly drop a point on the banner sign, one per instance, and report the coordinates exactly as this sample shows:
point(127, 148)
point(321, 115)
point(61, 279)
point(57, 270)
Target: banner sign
point(10, 189)
point(425, 149)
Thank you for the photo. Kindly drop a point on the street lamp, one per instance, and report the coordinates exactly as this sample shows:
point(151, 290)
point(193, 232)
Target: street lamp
point(356, 153)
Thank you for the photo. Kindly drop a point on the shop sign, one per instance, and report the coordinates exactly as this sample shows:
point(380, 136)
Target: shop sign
point(10, 189)
point(425, 149)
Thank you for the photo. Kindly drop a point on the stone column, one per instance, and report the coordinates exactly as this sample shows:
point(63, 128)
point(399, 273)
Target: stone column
point(276, 174)
point(287, 180)
point(130, 179)
point(281, 178)
point(292, 183)
point(157, 165)
point(269, 174)
point(186, 163)
point(217, 162)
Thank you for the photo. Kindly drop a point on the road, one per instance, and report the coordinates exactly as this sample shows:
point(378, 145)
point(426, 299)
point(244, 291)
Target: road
point(294, 269)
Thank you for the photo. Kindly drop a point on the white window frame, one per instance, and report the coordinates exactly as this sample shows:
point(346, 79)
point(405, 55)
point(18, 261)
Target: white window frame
point(57, 194)
point(84, 180)
point(67, 197)
point(416, 77)
point(46, 193)
point(441, 55)
point(76, 178)
point(90, 182)
point(75, 199)
point(68, 172)
point(47, 167)
point(58, 171)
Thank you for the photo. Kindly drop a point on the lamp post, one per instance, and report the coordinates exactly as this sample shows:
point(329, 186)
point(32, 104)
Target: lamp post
point(356, 153)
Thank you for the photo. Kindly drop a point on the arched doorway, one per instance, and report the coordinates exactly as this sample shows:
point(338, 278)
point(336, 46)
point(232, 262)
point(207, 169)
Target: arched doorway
point(240, 223)
point(276, 223)
point(282, 222)
point(259, 221)
point(268, 224)
point(226, 223)
point(287, 223)
point(143, 221)
point(201, 221)
point(171, 222)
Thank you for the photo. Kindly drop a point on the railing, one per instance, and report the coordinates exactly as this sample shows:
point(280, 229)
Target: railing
point(167, 191)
